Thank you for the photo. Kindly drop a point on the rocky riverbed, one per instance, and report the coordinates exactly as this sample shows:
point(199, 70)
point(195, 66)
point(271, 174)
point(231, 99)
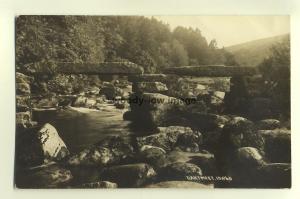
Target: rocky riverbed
point(84, 142)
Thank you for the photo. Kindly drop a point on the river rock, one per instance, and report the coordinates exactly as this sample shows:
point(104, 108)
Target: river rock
point(149, 87)
point(121, 104)
point(154, 109)
point(268, 124)
point(87, 102)
point(38, 146)
point(50, 102)
point(179, 171)
point(120, 146)
point(277, 144)
point(23, 89)
point(190, 142)
point(80, 101)
point(93, 90)
point(131, 175)
point(52, 176)
point(110, 91)
point(65, 100)
point(90, 103)
point(167, 138)
point(53, 146)
point(22, 103)
point(99, 184)
point(274, 175)
point(111, 150)
point(23, 119)
point(243, 167)
point(179, 184)
point(217, 98)
point(249, 157)
point(152, 155)
point(239, 132)
point(22, 78)
point(93, 156)
point(206, 121)
point(203, 159)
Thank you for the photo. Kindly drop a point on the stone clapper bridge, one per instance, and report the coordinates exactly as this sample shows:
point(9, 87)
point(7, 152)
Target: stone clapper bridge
point(137, 77)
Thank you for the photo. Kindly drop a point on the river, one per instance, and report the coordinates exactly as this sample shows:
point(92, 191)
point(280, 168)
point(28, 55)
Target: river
point(81, 127)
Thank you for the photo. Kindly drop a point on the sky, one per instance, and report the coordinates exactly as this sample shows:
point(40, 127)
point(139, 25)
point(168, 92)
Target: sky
point(231, 30)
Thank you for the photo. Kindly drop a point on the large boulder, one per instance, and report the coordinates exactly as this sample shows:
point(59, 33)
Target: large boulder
point(179, 184)
point(111, 150)
point(240, 132)
point(154, 109)
point(152, 155)
point(168, 138)
point(206, 121)
point(52, 176)
point(277, 144)
point(274, 175)
point(179, 171)
point(203, 159)
point(268, 124)
point(40, 145)
point(52, 144)
point(111, 91)
point(249, 157)
point(149, 87)
point(130, 175)
point(243, 167)
point(122, 147)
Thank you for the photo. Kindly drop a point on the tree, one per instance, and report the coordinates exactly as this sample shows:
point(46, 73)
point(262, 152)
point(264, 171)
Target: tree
point(179, 56)
point(276, 72)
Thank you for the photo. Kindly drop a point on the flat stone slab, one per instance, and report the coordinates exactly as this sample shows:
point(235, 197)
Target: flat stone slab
point(152, 78)
point(212, 71)
point(104, 68)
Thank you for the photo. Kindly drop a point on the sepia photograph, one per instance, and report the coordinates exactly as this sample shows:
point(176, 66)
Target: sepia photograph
point(153, 101)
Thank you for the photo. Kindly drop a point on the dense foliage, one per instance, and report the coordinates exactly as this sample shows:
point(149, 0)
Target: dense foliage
point(276, 72)
point(145, 41)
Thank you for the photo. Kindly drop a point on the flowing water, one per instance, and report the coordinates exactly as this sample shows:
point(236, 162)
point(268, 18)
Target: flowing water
point(81, 127)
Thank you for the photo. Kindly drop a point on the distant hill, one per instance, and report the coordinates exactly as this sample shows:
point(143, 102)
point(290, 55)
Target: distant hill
point(253, 52)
